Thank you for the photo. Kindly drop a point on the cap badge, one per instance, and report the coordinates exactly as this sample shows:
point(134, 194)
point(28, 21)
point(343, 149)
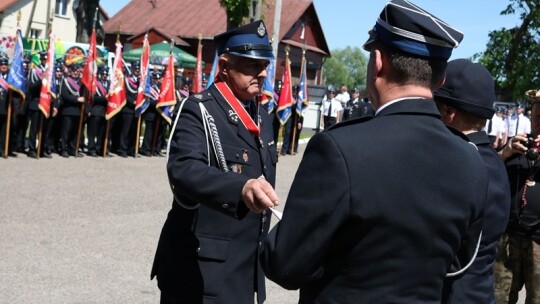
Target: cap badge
point(261, 30)
point(233, 116)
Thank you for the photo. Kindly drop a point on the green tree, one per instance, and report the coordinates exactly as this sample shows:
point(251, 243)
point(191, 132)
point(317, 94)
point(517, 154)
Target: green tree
point(346, 66)
point(513, 55)
point(84, 14)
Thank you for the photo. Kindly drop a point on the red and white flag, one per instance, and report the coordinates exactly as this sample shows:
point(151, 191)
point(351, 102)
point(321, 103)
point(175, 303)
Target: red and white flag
point(116, 99)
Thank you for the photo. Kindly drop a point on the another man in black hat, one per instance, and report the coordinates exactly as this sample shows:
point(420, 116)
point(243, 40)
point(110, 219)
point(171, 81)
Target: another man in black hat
point(221, 167)
point(97, 125)
point(150, 116)
point(381, 210)
point(34, 113)
point(127, 123)
point(4, 101)
point(466, 102)
point(71, 102)
point(356, 107)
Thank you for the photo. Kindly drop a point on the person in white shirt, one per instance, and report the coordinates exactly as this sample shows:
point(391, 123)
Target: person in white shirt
point(517, 122)
point(496, 128)
point(332, 109)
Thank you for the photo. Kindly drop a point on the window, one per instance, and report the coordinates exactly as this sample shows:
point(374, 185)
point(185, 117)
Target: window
point(61, 7)
point(35, 33)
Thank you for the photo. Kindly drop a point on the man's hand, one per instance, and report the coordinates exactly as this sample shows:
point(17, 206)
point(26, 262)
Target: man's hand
point(258, 195)
point(80, 99)
point(516, 145)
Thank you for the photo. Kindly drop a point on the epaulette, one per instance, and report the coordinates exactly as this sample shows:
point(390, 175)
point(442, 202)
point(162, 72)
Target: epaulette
point(201, 97)
point(351, 122)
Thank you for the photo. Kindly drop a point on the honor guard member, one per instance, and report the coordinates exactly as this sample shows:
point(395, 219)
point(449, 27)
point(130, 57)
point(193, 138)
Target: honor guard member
point(4, 101)
point(56, 121)
point(127, 114)
point(332, 108)
point(21, 112)
point(354, 106)
point(518, 264)
point(149, 116)
point(34, 113)
point(70, 108)
point(222, 182)
point(403, 207)
point(97, 126)
point(465, 102)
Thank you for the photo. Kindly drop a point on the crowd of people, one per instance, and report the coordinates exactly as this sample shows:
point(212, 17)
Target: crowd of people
point(77, 124)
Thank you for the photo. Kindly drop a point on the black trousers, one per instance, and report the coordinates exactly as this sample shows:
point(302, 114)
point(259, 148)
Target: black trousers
point(148, 139)
point(70, 125)
point(127, 133)
point(329, 121)
point(34, 117)
point(96, 129)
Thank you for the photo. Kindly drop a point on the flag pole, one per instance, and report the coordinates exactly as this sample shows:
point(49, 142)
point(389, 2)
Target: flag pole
point(137, 136)
point(42, 116)
point(106, 141)
point(8, 122)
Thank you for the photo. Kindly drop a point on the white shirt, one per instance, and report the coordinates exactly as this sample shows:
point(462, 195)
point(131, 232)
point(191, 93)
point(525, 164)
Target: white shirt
point(343, 97)
point(518, 124)
point(336, 107)
point(497, 125)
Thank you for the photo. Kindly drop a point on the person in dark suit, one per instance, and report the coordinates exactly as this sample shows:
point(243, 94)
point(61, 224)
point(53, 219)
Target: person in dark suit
point(96, 120)
point(127, 122)
point(150, 117)
point(381, 210)
point(518, 262)
point(71, 102)
point(4, 102)
point(466, 102)
point(209, 246)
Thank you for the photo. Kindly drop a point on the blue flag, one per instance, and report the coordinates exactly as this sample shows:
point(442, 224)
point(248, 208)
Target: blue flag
point(16, 77)
point(268, 100)
point(212, 72)
point(302, 99)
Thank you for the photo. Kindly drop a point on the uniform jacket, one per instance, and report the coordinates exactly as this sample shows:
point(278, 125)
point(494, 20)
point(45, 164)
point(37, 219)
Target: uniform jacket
point(4, 96)
point(132, 85)
point(378, 209)
point(476, 285)
point(99, 100)
point(212, 252)
point(34, 87)
point(69, 106)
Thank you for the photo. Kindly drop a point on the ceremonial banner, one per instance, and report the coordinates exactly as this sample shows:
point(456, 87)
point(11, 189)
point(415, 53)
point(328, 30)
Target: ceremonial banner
point(141, 103)
point(89, 76)
point(167, 96)
point(48, 86)
point(268, 101)
point(16, 77)
point(302, 101)
point(285, 98)
point(116, 99)
point(197, 80)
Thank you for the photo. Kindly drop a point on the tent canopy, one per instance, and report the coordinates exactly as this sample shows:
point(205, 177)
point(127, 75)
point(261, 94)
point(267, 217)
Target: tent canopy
point(159, 54)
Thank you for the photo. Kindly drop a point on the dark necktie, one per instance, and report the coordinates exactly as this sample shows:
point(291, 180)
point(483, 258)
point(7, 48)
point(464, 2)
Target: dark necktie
point(330, 109)
point(517, 126)
point(490, 125)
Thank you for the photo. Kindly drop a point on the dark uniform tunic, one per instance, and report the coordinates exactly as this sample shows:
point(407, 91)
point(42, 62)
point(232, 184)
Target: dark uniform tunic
point(357, 108)
point(476, 285)
point(379, 222)
point(211, 252)
point(4, 100)
point(150, 116)
point(70, 109)
point(96, 123)
point(34, 114)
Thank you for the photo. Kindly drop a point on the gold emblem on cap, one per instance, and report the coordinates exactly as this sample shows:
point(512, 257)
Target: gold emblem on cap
point(261, 31)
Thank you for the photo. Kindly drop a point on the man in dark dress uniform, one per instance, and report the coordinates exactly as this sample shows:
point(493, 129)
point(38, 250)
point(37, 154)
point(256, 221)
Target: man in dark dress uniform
point(71, 102)
point(96, 120)
point(466, 102)
point(127, 122)
point(4, 101)
point(519, 254)
point(356, 107)
point(381, 210)
point(209, 245)
point(34, 113)
point(150, 116)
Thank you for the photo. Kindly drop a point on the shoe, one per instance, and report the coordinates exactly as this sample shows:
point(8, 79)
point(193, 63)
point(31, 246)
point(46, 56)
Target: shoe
point(122, 154)
point(2, 154)
point(92, 154)
point(64, 154)
point(159, 154)
point(12, 154)
point(146, 153)
point(46, 155)
point(31, 154)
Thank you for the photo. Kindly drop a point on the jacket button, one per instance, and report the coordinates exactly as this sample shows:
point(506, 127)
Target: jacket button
point(225, 206)
point(264, 219)
point(198, 249)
